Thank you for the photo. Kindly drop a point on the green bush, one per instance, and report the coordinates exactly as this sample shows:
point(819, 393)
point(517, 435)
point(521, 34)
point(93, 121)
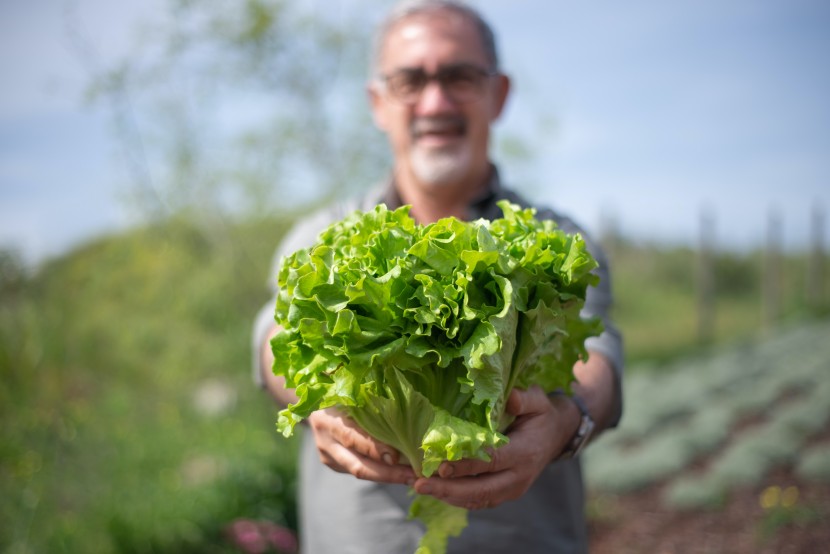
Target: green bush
point(690, 493)
point(105, 445)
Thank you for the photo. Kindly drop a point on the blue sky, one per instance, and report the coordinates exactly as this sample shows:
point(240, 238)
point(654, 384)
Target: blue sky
point(646, 111)
point(663, 108)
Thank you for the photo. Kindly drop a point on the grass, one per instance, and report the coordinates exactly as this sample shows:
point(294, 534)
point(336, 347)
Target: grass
point(657, 303)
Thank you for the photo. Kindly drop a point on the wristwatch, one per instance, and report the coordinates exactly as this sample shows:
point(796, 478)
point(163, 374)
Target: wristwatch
point(583, 432)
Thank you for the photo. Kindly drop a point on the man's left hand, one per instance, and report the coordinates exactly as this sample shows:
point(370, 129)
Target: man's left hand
point(541, 430)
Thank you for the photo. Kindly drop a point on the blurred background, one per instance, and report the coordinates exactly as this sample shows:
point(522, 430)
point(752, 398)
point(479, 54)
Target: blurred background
point(153, 153)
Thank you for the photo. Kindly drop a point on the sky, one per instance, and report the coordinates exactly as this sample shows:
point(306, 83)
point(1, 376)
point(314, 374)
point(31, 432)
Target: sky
point(645, 113)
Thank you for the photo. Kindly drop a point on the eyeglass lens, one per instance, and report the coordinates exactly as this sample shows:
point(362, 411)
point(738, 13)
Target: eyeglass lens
point(460, 82)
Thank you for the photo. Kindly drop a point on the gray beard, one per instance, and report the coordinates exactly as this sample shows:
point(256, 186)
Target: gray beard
point(440, 168)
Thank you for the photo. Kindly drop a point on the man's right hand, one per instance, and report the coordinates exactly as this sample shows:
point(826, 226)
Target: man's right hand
point(346, 448)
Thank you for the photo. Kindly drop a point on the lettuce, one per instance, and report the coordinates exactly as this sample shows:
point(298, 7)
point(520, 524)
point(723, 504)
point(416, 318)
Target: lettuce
point(420, 333)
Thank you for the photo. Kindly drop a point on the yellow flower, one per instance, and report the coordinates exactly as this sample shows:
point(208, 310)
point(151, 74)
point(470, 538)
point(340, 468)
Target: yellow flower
point(770, 497)
point(789, 497)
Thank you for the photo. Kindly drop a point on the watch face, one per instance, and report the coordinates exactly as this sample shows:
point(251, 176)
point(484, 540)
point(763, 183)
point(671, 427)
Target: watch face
point(589, 424)
point(586, 427)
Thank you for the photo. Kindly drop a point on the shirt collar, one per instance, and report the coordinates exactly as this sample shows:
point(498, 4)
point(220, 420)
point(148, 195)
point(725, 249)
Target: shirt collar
point(481, 206)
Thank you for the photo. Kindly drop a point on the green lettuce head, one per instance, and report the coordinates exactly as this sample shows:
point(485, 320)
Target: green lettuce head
point(419, 333)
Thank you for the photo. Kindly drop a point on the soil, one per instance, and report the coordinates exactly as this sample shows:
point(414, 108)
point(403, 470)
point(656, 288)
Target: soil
point(639, 523)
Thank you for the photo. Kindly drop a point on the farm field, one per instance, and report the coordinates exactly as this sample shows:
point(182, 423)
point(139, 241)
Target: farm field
point(728, 452)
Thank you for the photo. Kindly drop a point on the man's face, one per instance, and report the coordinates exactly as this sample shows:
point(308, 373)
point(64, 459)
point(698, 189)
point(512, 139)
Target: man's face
point(436, 138)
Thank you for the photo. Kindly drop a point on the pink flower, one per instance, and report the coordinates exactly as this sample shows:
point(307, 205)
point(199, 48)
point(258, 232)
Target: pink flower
point(259, 537)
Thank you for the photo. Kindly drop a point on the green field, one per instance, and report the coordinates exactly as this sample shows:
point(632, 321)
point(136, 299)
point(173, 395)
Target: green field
point(130, 424)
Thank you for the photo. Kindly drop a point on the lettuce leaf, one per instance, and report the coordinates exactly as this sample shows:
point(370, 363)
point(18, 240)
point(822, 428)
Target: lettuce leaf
point(420, 333)
point(442, 521)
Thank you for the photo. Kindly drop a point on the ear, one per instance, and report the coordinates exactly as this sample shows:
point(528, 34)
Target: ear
point(377, 104)
point(501, 90)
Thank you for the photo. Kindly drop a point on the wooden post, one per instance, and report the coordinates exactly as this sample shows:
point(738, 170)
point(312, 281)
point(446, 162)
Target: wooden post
point(771, 286)
point(815, 262)
point(706, 278)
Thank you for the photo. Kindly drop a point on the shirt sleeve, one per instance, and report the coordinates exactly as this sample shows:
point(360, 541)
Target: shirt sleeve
point(598, 303)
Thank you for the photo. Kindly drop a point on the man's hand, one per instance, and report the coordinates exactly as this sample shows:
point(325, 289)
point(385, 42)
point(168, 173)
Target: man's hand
point(542, 428)
point(346, 448)
point(342, 445)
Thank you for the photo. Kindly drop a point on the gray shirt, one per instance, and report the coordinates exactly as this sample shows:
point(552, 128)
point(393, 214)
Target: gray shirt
point(342, 514)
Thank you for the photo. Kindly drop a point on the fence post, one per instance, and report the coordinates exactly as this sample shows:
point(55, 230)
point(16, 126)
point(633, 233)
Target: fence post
point(771, 285)
point(815, 262)
point(706, 278)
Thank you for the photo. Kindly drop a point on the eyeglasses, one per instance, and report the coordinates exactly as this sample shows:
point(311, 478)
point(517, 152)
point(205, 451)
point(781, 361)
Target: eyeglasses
point(461, 82)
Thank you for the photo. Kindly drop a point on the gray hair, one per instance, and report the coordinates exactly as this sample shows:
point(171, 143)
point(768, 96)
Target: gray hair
point(408, 8)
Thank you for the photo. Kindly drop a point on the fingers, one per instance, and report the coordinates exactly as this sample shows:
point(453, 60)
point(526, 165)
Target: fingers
point(527, 402)
point(529, 434)
point(346, 432)
point(515, 402)
point(472, 467)
point(344, 460)
point(479, 484)
point(512, 468)
point(346, 448)
point(475, 493)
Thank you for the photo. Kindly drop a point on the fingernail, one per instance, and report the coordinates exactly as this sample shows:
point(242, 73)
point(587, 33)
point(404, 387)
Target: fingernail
point(446, 471)
point(426, 488)
point(387, 459)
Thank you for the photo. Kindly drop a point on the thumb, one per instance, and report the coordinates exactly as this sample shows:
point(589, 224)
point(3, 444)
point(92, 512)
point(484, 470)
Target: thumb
point(532, 400)
point(515, 402)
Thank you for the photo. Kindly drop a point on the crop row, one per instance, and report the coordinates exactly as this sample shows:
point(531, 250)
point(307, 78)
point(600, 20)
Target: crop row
point(737, 415)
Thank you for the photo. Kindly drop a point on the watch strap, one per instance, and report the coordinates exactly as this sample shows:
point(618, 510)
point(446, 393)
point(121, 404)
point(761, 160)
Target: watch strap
point(583, 432)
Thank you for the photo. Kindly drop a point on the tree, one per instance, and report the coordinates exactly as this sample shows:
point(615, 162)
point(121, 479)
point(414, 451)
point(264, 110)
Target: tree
point(244, 107)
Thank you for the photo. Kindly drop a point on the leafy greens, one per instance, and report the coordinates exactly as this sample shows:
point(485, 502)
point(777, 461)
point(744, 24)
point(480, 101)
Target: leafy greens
point(419, 333)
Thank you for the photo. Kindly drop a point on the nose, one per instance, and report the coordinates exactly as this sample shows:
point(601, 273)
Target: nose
point(434, 100)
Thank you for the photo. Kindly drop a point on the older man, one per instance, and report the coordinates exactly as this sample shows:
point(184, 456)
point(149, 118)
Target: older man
point(436, 89)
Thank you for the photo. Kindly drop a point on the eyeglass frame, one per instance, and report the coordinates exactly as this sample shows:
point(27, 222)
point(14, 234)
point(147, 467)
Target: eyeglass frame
point(438, 77)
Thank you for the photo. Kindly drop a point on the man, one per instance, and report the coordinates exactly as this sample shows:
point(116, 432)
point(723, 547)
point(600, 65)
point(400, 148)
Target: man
point(435, 92)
